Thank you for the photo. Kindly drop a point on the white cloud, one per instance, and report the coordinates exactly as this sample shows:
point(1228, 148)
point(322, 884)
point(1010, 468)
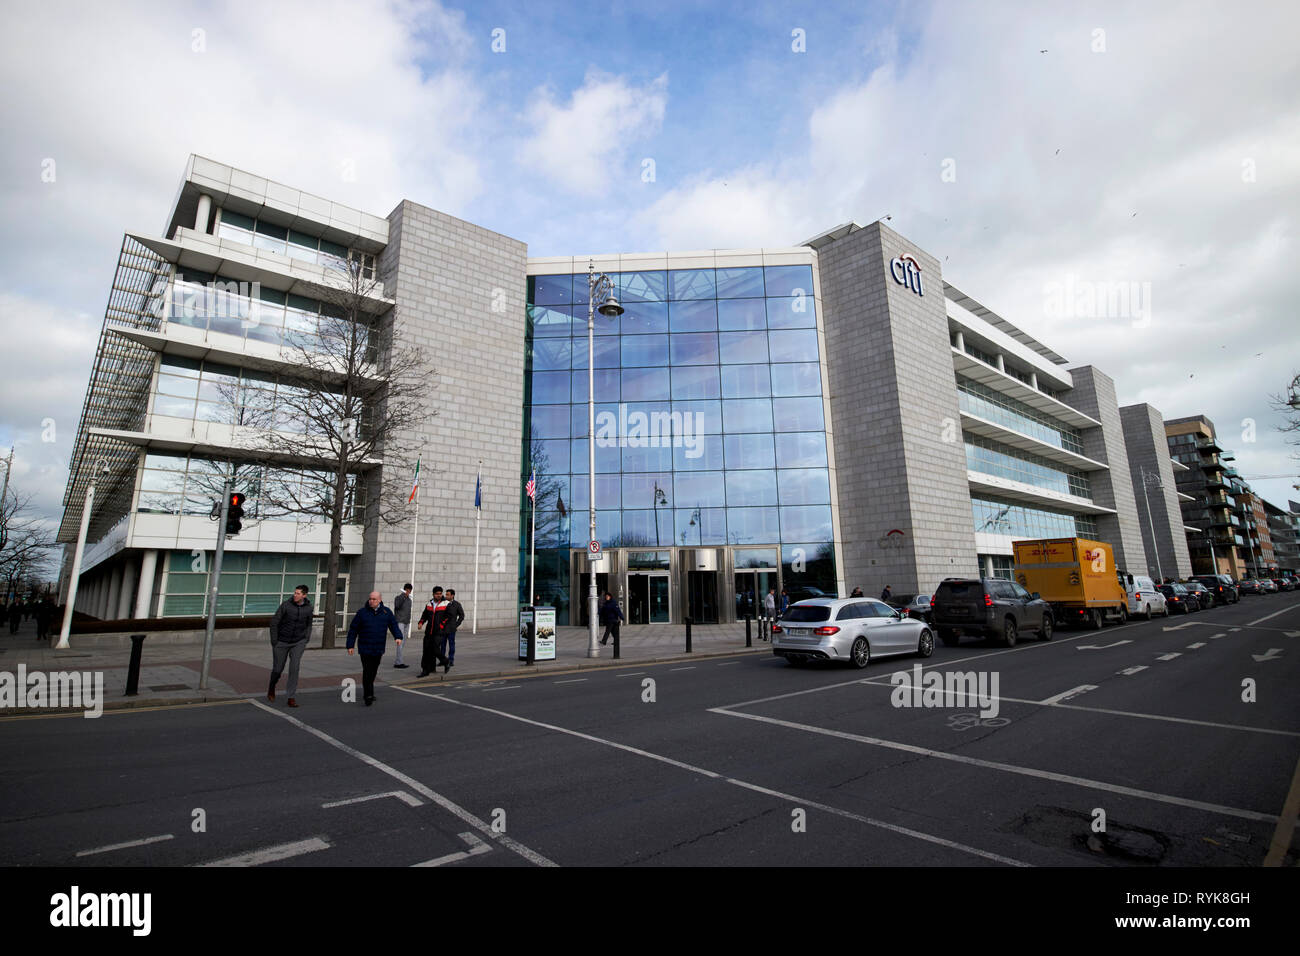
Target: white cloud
point(581, 145)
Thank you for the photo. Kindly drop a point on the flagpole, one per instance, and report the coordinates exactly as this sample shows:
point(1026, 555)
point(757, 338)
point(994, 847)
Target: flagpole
point(478, 515)
point(532, 552)
point(415, 530)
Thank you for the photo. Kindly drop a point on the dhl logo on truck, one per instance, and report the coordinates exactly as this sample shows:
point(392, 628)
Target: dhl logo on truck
point(1092, 554)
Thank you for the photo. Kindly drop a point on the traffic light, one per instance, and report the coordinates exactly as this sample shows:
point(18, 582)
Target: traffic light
point(235, 512)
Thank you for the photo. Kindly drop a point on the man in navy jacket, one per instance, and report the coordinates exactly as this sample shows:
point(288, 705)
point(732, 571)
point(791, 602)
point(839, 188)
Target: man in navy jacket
point(369, 634)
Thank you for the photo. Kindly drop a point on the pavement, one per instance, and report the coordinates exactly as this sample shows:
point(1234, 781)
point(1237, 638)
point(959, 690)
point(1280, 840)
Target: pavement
point(170, 672)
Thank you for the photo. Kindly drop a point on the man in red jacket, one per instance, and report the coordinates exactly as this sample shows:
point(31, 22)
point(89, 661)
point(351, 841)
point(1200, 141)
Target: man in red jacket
point(434, 620)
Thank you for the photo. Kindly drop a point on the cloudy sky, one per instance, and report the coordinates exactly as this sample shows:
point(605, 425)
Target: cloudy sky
point(1155, 145)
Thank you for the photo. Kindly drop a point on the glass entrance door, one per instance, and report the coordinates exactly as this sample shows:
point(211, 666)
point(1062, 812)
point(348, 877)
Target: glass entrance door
point(751, 588)
point(702, 591)
point(647, 598)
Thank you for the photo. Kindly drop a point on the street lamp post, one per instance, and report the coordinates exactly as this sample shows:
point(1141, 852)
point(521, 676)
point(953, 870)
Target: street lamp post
point(597, 285)
point(74, 578)
point(1147, 480)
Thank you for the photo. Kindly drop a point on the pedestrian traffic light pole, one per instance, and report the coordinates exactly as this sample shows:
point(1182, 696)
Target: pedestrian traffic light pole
point(216, 582)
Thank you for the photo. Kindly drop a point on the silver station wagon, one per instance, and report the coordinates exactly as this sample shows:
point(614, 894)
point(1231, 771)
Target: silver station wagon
point(853, 630)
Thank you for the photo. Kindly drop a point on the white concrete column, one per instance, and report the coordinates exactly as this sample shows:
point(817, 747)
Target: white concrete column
point(961, 341)
point(114, 591)
point(1002, 365)
point(101, 605)
point(205, 210)
point(1033, 380)
point(148, 566)
point(128, 589)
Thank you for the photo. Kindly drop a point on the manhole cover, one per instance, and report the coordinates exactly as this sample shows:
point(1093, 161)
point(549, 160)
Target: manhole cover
point(170, 687)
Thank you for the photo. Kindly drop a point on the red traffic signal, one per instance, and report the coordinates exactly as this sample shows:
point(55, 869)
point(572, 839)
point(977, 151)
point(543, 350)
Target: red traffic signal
point(234, 512)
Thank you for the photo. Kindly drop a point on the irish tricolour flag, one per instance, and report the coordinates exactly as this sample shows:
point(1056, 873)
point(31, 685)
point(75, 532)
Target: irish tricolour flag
point(416, 485)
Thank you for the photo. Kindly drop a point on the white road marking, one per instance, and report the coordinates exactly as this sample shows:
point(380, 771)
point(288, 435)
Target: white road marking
point(1268, 616)
point(1192, 647)
point(1179, 627)
point(270, 854)
point(399, 794)
point(1066, 695)
point(1118, 713)
point(1130, 671)
point(1101, 647)
point(483, 827)
point(488, 690)
point(1169, 657)
point(1272, 655)
point(476, 847)
point(124, 846)
point(575, 680)
point(691, 668)
point(728, 663)
point(798, 801)
point(1233, 629)
point(633, 674)
point(1292, 633)
point(1009, 768)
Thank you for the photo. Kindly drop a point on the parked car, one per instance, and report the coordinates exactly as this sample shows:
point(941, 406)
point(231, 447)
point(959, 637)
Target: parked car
point(1221, 586)
point(913, 605)
point(1177, 598)
point(853, 630)
point(989, 607)
point(1268, 586)
point(1143, 597)
point(1204, 595)
point(1283, 584)
point(1249, 586)
point(807, 593)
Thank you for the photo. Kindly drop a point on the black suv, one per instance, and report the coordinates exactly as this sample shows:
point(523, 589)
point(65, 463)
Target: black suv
point(989, 607)
point(1221, 586)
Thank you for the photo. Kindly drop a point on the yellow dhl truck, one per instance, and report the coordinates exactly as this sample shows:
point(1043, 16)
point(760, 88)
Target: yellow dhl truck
point(1076, 576)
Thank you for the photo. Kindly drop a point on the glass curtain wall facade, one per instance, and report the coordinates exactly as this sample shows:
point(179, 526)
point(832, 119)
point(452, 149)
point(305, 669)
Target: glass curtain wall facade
point(710, 432)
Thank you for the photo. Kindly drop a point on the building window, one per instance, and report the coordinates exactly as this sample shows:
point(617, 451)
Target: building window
point(992, 458)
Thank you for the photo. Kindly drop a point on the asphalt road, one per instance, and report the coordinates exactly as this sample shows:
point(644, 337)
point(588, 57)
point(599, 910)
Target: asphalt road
point(736, 761)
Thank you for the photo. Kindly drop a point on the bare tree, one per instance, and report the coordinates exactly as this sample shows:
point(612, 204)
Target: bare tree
point(356, 397)
point(1289, 406)
point(26, 542)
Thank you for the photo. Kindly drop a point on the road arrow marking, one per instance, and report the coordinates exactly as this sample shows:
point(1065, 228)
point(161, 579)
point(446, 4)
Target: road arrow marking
point(476, 847)
point(1132, 670)
point(125, 846)
point(1272, 655)
point(1192, 647)
point(402, 795)
point(1169, 657)
point(273, 854)
point(1072, 692)
point(1099, 647)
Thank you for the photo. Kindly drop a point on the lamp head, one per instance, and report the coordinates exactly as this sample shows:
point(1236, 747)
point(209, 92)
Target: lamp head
point(610, 307)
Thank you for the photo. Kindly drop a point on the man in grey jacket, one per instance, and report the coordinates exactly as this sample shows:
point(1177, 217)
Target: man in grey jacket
point(402, 611)
point(290, 632)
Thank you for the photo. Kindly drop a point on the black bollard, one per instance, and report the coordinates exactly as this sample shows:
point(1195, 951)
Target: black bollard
point(688, 635)
point(133, 669)
point(748, 639)
point(616, 630)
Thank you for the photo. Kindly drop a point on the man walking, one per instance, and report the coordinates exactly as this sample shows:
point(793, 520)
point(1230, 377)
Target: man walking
point(455, 617)
point(887, 593)
point(610, 616)
point(290, 632)
point(402, 611)
point(432, 620)
point(369, 634)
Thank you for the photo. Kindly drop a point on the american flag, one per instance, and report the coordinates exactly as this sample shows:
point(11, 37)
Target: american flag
point(531, 487)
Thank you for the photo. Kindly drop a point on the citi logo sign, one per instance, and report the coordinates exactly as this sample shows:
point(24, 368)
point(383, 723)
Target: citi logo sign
point(906, 272)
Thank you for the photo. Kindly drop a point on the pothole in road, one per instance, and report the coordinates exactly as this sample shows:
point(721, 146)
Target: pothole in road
point(1059, 827)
